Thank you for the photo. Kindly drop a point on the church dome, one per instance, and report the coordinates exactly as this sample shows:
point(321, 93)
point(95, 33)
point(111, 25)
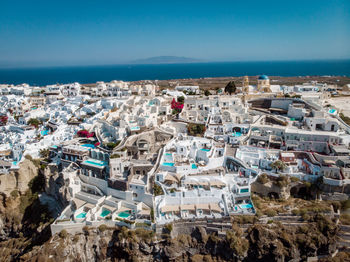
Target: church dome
point(263, 77)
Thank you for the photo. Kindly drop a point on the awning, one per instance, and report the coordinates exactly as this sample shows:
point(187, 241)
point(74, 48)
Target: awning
point(145, 212)
point(78, 203)
point(191, 182)
point(171, 208)
point(215, 207)
point(170, 178)
point(202, 206)
point(217, 183)
point(187, 207)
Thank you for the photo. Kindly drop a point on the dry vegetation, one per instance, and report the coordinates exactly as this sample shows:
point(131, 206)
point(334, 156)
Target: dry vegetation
point(296, 206)
point(215, 83)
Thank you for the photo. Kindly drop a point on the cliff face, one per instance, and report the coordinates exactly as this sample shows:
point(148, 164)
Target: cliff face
point(18, 180)
point(272, 242)
point(25, 232)
point(56, 187)
point(31, 197)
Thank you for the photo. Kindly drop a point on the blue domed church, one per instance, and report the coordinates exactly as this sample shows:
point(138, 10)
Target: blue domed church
point(263, 84)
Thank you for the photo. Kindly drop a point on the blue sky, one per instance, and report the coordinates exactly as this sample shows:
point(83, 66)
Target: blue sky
point(106, 32)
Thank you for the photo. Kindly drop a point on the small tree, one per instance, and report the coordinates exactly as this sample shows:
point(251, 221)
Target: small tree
point(44, 153)
point(181, 99)
point(168, 227)
point(230, 87)
point(206, 93)
point(63, 233)
point(111, 145)
point(157, 190)
point(3, 120)
point(278, 165)
point(34, 122)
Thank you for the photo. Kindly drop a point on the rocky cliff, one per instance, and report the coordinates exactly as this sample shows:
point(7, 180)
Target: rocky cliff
point(272, 242)
point(18, 180)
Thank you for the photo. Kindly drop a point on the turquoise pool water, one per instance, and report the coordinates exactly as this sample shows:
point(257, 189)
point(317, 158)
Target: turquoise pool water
point(206, 150)
point(194, 166)
point(237, 134)
point(14, 163)
point(332, 111)
point(246, 206)
point(81, 215)
point(168, 154)
point(105, 213)
point(44, 132)
point(123, 214)
point(168, 164)
point(88, 145)
point(133, 128)
point(244, 190)
point(96, 162)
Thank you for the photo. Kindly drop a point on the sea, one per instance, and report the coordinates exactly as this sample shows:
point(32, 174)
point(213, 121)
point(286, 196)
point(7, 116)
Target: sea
point(41, 76)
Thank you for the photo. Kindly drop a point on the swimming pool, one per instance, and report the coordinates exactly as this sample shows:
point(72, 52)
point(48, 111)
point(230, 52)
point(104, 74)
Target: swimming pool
point(332, 111)
point(81, 215)
point(244, 190)
point(246, 206)
point(123, 215)
point(95, 162)
point(205, 149)
point(44, 132)
point(105, 213)
point(168, 158)
point(237, 134)
point(194, 166)
point(134, 128)
point(88, 145)
point(168, 164)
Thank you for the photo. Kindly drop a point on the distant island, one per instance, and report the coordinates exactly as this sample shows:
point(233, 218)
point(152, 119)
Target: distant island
point(166, 60)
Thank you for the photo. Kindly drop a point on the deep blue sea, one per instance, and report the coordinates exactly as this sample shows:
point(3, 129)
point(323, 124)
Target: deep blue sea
point(91, 74)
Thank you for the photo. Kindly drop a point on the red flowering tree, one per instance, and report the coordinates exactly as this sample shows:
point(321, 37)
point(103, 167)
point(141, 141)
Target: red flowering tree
point(85, 133)
point(3, 120)
point(176, 106)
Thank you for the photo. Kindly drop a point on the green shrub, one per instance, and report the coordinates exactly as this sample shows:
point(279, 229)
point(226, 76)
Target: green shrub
point(195, 129)
point(63, 234)
point(44, 153)
point(345, 204)
point(305, 217)
point(295, 212)
point(271, 212)
point(157, 190)
point(14, 193)
point(34, 122)
point(29, 157)
point(111, 145)
point(102, 228)
point(345, 219)
point(263, 179)
point(294, 179)
point(152, 215)
point(302, 211)
point(75, 238)
point(86, 230)
point(168, 227)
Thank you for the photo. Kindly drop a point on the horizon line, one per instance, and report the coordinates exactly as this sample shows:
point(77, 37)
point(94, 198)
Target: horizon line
point(202, 61)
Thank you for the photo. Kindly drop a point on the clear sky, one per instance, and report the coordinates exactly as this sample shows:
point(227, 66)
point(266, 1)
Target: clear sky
point(86, 32)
